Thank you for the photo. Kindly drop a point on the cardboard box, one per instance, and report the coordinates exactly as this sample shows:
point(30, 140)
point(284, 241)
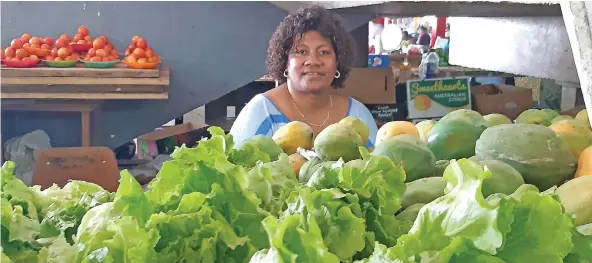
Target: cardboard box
point(164, 140)
point(370, 85)
point(384, 113)
point(504, 99)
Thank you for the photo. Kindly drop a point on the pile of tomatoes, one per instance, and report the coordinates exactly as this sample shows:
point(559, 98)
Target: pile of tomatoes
point(25, 47)
point(62, 50)
point(138, 51)
point(82, 36)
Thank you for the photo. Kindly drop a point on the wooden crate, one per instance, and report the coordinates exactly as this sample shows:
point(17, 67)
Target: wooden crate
point(84, 83)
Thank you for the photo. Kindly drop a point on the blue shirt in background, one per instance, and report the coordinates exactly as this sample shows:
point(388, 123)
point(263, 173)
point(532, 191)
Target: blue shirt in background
point(261, 116)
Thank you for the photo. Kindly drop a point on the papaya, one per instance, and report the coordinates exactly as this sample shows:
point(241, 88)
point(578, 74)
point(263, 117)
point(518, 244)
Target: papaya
point(469, 116)
point(423, 191)
point(410, 213)
point(359, 126)
point(583, 116)
point(338, 141)
point(424, 127)
point(497, 119)
point(409, 151)
point(575, 134)
point(296, 162)
point(576, 196)
point(263, 143)
point(540, 156)
point(562, 118)
point(535, 116)
point(440, 167)
point(294, 135)
point(453, 139)
point(551, 113)
point(394, 128)
point(585, 163)
point(504, 178)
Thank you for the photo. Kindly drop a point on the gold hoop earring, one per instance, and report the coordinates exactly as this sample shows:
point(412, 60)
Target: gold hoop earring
point(286, 73)
point(337, 74)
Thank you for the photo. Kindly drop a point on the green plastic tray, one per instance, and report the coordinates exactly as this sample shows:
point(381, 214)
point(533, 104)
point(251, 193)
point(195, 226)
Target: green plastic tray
point(61, 64)
point(90, 64)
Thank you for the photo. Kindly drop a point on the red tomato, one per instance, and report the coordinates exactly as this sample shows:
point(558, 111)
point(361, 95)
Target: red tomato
point(141, 43)
point(105, 38)
point(131, 58)
point(77, 37)
point(92, 52)
point(98, 43)
point(63, 52)
point(101, 53)
point(83, 30)
point(46, 46)
point(54, 52)
point(33, 57)
point(34, 46)
point(26, 45)
point(25, 59)
point(35, 40)
point(62, 42)
point(88, 39)
point(66, 37)
point(49, 58)
point(26, 37)
point(96, 59)
point(82, 41)
point(21, 53)
point(108, 48)
point(59, 59)
point(16, 43)
point(139, 52)
point(149, 53)
point(48, 40)
point(142, 60)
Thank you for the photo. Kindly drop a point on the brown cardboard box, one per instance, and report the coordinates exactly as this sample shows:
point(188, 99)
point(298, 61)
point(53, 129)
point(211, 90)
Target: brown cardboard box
point(504, 99)
point(370, 85)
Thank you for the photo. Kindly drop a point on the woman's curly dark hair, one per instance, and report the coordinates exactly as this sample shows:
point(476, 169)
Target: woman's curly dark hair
point(315, 18)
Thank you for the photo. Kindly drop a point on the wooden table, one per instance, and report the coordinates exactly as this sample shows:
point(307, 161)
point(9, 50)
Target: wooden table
point(78, 89)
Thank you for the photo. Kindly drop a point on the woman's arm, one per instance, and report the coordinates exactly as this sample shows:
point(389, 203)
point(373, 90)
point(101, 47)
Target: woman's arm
point(249, 121)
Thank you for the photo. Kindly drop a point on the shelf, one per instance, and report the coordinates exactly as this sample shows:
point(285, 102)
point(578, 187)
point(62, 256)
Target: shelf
point(84, 83)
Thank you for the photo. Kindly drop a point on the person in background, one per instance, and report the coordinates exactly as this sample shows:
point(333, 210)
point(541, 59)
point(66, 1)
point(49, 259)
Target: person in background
point(310, 55)
point(424, 38)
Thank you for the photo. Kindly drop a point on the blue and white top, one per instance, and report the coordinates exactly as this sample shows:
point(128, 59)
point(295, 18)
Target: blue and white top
point(261, 116)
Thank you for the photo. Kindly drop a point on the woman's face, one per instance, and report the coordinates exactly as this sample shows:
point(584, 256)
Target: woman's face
point(312, 63)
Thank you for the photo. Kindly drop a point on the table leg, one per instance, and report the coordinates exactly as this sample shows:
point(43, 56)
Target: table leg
point(85, 122)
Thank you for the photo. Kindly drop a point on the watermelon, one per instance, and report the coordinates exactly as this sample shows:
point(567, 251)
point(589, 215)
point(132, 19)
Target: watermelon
point(540, 156)
point(411, 152)
point(453, 139)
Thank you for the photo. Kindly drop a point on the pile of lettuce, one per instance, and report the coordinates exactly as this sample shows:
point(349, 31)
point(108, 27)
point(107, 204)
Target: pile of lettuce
point(213, 203)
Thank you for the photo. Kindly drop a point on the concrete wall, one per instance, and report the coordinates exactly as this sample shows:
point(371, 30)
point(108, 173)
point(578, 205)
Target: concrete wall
point(212, 48)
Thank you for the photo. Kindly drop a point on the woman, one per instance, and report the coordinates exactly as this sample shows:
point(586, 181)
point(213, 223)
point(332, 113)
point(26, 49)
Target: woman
point(424, 38)
point(310, 55)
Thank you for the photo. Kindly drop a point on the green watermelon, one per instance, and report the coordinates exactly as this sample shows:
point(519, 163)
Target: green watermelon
point(408, 150)
point(453, 139)
point(540, 156)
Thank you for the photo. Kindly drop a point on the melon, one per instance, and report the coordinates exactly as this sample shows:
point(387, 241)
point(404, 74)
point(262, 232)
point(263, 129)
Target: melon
point(504, 178)
point(358, 125)
point(535, 116)
point(576, 197)
point(338, 141)
point(497, 119)
point(585, 163)
point(394, 128)
point(263, 143)
point(562, 118)
point(453, 139)
point(575, 134)
point(294, 135)
point(423, 191)
point(410, 152)
point(540, 156)
point(583, 116)
point(424, 127)
point(469, 116)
